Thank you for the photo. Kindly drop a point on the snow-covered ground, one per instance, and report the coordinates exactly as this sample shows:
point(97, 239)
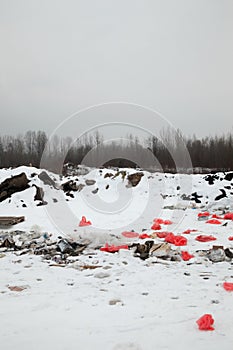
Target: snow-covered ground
point(125, 303)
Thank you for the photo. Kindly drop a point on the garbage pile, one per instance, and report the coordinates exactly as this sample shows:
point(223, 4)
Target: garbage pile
point(64, 250)
point(21, 242)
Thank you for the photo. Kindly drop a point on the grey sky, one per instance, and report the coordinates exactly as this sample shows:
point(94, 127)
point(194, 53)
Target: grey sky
point(175, 56)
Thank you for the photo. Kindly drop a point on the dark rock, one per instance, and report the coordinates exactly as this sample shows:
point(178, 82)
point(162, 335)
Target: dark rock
point(229, 177)
point(90, 182)
point(12, 185)
point(46, 179)
point(229, 253)
point(221, 196)
point(135, 178)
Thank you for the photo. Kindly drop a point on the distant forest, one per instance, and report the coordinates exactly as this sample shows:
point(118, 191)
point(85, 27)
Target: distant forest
point(213, 153)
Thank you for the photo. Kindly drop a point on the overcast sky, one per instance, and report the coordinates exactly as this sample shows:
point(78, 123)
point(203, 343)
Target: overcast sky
point(174, 56)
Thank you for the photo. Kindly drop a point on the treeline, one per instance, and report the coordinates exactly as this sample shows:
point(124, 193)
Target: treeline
point(163, 153)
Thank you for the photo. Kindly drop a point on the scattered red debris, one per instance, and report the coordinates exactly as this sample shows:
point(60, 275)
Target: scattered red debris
point(230, 238)
point(162, 222)
point(130, 234)
point(113, 248)
point(84, 222)
point(204, 238)
point(144, 235)
point(228, 286)
point(205, 323)
point(156, 226)
point(215, 216)
point(187, 232)
point(228, 216)
point(163, 234)
point(206, 213)
point(186, 256)
point(213, 221)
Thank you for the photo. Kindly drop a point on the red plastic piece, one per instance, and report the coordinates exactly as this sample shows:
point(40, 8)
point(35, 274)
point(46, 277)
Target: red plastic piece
point(228, 286)
point(213, 221)
point(177, 240)
point(84, 222)
point(205, 323)
point(206, 213)
point(230, 238)
point(167, 222)
point(180, 241)
point(129, 234)
point(187, 232)
point(170, 237)
point(228, 216)
point(158, 221)
point(156, 226)
point(163, 234)
point(162, 222)
point(113, 248)
point(144, 235)
point(186, 256)
point(203, 238)
point(215, 216)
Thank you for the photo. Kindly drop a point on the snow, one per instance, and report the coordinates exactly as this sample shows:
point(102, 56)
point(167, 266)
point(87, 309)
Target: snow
point(156, 302)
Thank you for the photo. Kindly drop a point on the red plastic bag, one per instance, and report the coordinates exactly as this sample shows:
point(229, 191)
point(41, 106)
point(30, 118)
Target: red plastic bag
point(187, 232)
point(170, 237)
point(180, 241)
point(186, 256)
point(230, 238)
point(113, 248)
point(158, 221)
point(167, 222)
point(144, 235)
point(84, 222)
point(206, 213)
point(163, 234)
point(162, 222)
point(228, 286)
point(203, 238)
point(205, 323)
point(130, 234)
point(213, 221)
point(215, 216)
point(156, 226)
point(228, 216)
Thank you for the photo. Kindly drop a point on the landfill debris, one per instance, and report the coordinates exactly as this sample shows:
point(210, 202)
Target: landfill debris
point(113, 248)
point(186, 256)
point(213, 222)
point(115, 301)
point(228, 286)
point(17, 288)
point(216, 254)
point(205, 323)
point(90, 182)
point(228, 216)
point(205, 238)
point(156, 226)
point(130, 234)
point(134, 179)
point(84, 222)
point(11, 220)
